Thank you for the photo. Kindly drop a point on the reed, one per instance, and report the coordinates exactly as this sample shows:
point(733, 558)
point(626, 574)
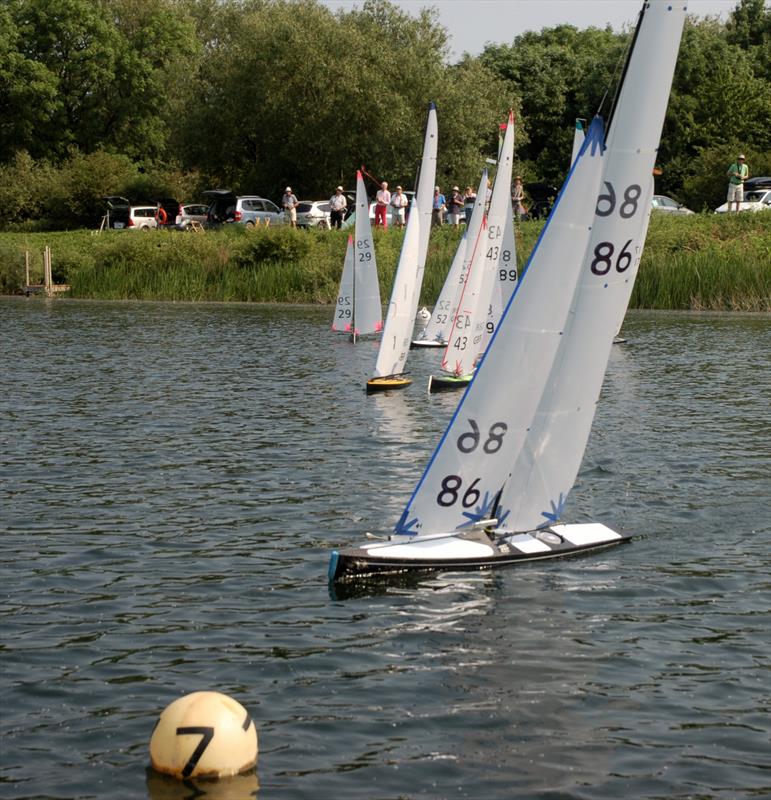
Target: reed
point(715, 262)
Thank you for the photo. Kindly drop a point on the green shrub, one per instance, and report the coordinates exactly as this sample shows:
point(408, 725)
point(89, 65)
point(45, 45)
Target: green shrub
point(279, 243)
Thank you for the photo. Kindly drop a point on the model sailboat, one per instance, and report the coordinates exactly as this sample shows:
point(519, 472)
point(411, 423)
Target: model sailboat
point(437, 330)
point(358, 310)
point(480, 305)
point(495, 489)
point(400, 318)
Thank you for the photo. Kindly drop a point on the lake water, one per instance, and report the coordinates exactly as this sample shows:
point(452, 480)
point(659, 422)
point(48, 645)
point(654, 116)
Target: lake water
point(173, 478)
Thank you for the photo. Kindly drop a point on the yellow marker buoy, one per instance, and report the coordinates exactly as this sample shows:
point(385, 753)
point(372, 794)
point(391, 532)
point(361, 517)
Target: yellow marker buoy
point(204, 734)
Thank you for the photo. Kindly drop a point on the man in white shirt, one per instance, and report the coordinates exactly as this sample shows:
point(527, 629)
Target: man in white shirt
point(289, 204)
point(337, 206)
point(382, 200)
point(399, 204)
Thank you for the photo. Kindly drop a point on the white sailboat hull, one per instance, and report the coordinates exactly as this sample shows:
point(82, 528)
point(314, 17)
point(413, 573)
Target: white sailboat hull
point(474, 549)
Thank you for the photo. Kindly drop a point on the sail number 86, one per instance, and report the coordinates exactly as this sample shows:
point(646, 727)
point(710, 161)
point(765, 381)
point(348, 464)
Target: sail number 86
point(468, 442)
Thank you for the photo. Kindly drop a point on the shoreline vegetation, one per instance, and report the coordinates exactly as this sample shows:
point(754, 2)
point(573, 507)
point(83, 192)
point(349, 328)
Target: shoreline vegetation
point(702, 262)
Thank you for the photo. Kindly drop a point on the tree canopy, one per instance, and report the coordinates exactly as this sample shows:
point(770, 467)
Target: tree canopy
point(254, 94)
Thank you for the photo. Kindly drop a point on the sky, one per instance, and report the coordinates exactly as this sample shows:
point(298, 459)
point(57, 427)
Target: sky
point(473, 23)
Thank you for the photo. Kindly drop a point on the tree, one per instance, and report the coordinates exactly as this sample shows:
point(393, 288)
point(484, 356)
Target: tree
point(290, 94)
point(560, 74)
point(28, 94)
point(106, 74)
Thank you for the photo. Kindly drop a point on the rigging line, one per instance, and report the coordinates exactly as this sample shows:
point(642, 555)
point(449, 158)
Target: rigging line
point(618, 76)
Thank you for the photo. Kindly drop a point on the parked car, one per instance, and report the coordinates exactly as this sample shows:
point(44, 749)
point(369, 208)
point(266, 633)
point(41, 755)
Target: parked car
point(122, 214)
point(137, 218)
point(313, 214)
point(660, 202)
point(227, 207)
point(757, 197)
point(189, 213)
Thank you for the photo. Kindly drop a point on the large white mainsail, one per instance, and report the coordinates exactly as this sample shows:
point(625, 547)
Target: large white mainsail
point(367, 308)
point(547, 467)
point(400, 317)
point(476, 452)
point(424, 192)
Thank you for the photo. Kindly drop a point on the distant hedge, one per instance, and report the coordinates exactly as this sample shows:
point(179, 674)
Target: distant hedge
point(718, 262)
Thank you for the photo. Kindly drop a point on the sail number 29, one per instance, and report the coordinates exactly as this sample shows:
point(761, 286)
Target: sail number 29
point(627, 207)
point(468, 442)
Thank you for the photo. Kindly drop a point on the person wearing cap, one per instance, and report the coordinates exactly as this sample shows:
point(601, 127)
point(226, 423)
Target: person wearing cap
point(399, 205)
point(439, 204)
point(337, 206)
point(738, 172)
point(382, 201)
point(455, 207)
point(289, 204)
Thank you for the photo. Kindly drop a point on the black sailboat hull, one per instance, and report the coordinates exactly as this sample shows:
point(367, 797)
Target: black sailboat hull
point(368, 562)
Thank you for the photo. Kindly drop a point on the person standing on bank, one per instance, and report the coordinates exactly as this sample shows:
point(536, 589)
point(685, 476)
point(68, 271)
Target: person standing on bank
point(518, 197)
point(438, 207)
point(469, 198)
point(455, 208)
point(289, 204)
point(399, 205)
point(737, 174)
point(382, 201)
point(337, 206)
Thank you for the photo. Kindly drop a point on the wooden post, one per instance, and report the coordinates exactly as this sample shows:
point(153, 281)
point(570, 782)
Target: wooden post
point(48, 280)
point(26, 267)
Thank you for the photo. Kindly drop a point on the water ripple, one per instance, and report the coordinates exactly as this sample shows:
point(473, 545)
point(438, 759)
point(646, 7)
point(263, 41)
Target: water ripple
point(174, 476)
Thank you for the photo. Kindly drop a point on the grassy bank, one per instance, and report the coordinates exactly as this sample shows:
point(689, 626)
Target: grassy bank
point(717, 262)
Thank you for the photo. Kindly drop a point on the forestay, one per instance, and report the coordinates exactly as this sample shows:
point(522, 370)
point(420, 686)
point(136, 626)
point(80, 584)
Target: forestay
point(547, 467)
point(477, 450)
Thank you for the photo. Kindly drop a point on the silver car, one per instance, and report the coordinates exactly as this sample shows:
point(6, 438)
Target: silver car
point(661, 202)
point(249, 210)
point(314, 214)
point(188, 214)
